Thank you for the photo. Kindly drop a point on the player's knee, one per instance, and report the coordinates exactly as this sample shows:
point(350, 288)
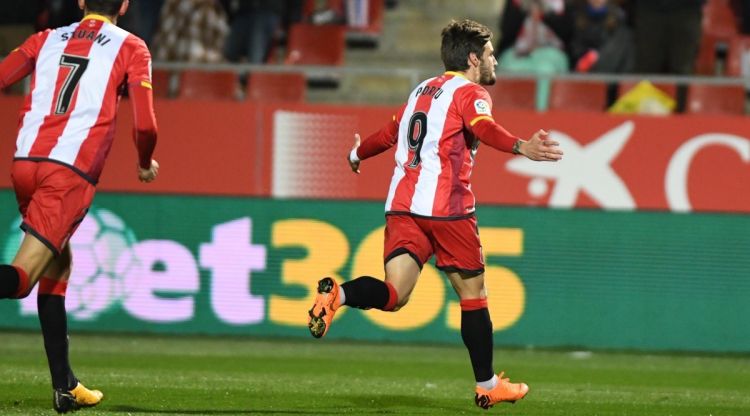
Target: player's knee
point(23, 291)
point(401, 302)
point(64, 264)
point(65, 274)
point(22, 294)
point(396, 298)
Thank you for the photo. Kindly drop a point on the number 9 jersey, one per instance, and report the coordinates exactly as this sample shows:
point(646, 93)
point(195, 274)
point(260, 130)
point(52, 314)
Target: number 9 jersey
point(79, 73)
point(436, 147)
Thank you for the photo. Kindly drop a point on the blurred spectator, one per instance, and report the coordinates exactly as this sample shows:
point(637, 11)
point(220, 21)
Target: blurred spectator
point(253, 25)
point(667, 35)
point(146, 14)
point(294, 13)
point(57, 13)
point(601, 40)
point(534, 34)
point(627, 6)
point(353, 13)
point(357, 13)
point(191, 31)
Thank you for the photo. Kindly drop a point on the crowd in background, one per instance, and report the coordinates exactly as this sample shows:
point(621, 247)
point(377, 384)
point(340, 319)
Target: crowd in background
point(198, 30)
point(536, 36)
point(604, 36)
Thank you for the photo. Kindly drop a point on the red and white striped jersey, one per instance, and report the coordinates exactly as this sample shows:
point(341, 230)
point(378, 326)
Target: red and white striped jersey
point(79, 73)
point(436, 147)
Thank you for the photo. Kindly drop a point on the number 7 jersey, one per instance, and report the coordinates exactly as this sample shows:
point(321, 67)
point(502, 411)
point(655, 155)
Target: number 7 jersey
point(79, 73)
point(436, 147)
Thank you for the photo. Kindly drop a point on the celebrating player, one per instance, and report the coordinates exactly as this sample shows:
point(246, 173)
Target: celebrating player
point(66, 130)
point(430, 205)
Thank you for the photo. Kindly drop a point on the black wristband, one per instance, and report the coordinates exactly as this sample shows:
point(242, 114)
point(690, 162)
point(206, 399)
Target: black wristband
point(517, 147)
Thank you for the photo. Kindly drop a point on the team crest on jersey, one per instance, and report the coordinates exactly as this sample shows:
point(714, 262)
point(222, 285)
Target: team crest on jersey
point(482, 107)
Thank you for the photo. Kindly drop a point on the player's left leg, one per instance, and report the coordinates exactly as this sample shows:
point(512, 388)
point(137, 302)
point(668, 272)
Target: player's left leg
point(459, 255)
point(69, 393)
point(364, 292)
point(391, 294)
point(476, 332)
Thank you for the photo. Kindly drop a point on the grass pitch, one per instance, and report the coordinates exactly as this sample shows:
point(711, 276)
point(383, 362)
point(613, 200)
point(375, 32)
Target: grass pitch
point(150, 375)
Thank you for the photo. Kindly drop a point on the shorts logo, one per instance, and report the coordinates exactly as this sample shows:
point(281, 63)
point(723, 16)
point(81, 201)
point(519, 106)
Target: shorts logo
point(482, 107)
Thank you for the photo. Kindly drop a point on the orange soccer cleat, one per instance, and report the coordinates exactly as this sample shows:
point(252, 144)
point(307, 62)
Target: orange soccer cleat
point(324, 307)
point(504, 391)
point(65, 401)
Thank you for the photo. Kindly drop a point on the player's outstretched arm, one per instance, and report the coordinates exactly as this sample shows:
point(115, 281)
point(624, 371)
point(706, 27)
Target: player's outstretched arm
point(540, 148)
point(374, 145)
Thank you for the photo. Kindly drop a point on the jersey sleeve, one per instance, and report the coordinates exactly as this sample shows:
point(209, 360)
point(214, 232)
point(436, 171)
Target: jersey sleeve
point(382, 140)
point(33, 44)
point(476, 110)
point(141, 98)
point(22, 60)
point(399, 114)
point(139, 66)
point(474, 105)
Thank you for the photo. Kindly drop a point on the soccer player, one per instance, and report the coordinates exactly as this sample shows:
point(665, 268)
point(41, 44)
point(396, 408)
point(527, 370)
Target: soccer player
point(65, 132)
point(430, 205)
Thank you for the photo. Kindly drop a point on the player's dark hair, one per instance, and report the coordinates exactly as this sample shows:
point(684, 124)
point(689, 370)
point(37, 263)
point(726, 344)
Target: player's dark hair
point(459, 40)
point(105, 7)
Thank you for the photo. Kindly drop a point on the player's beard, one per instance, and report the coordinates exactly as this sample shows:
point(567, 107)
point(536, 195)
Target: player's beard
point(486, 74)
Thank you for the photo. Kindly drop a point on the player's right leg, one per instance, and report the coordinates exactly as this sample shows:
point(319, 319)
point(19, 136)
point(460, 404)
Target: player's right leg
point(406, 249)
point(68, 393)
point(53, 201)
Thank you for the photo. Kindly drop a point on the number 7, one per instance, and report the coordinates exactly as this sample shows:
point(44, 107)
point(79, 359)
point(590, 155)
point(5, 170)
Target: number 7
point(77, 65)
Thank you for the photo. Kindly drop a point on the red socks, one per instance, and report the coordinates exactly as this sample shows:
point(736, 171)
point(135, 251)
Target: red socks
point(473, 304)
point(23, 283)
point(49, 286)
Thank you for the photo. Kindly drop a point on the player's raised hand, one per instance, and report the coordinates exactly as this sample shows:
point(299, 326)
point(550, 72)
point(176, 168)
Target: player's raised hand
point(352, 163)
point(148, 175)
point(541, 148)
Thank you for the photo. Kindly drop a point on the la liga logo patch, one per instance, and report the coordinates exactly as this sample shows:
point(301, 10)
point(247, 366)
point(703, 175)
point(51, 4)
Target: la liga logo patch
point(482, 107)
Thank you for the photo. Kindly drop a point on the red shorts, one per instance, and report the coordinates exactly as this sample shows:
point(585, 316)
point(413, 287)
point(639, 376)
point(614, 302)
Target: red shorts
point(455, 243)
point(53, 200)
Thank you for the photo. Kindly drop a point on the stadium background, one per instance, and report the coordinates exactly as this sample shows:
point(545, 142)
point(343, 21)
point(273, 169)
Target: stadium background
point(637, 240)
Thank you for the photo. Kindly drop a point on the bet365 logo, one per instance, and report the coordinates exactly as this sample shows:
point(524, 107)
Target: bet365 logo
point(156, 280)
